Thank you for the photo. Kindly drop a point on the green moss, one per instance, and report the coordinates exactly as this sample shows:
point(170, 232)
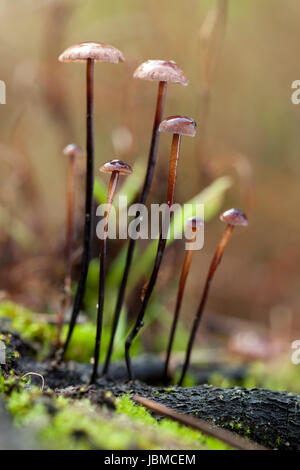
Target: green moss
point(187, 435)
point(62, 423)
point(66, 424)
point(81, 348)
point(24, 322)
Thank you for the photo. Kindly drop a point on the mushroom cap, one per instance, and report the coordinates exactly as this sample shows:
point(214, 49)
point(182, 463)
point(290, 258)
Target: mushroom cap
point(116, 165)
point(234, 217)
point(194, 223)
point(92, 50)
point(179, 125)
point(161, 71)
point(73, 149)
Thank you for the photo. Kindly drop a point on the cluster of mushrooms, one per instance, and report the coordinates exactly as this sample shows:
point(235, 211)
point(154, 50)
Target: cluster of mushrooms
point(162, 72)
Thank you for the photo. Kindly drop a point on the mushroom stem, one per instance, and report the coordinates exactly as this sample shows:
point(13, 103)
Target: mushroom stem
point(213, 266)
point(70, 204)
point(69, 239)
point(110, 197)
point(182, 283)
point(162, 89)
point(160, 251)
point(89, 201)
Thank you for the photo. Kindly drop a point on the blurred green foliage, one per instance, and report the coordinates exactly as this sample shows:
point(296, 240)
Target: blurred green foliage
point(212, 199)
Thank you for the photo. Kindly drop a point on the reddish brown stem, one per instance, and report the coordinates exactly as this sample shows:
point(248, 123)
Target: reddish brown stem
point(162, 88)
point(69, 239)
point(213, 266)
point(182, 283)
point(110, 197)
point(70, 206)
point(160, 251)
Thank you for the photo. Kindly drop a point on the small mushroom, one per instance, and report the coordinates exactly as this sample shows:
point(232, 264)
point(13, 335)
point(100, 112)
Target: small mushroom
point(233, 218)
point(178, 126)
point(115, 168)
point(89, 52)
point(161, 71)
point(193, 224)
point(72, 151)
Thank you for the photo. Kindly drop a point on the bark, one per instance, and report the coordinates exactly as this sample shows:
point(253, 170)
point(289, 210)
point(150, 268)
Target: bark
point(269, 418)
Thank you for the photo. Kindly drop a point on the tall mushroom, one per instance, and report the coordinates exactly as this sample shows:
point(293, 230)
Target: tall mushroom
point(193, 224)
point(178, 126)
point(115, 168)
point(72, 151)
point(161, 71)
point(89, 52)
point(233, 218)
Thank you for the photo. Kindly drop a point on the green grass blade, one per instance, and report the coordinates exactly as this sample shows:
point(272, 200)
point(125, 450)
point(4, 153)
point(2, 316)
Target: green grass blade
point(132, 185)
point(100, 191)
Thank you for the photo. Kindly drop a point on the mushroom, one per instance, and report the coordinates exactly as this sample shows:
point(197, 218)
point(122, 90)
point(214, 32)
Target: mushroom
point(193, 224)
point(233, 218)
point(178, 126)
point(162, 71)
point(115, 168)
point(89, 52)
point(72, 151)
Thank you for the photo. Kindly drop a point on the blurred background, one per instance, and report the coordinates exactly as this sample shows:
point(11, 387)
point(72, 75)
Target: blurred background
point(240, 58)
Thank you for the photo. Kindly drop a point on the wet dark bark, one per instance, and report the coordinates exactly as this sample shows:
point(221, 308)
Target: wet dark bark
point(269, 418)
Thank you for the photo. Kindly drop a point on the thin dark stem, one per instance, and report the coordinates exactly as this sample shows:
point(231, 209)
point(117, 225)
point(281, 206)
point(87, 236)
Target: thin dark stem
point(69, 239)
point(162, 88)
point(182, 283)
point(159, 255)
point(111, 193)
point(213, 266)
point(89, 202)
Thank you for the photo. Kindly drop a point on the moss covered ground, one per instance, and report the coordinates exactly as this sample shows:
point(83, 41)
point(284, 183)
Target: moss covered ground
point(64, 423)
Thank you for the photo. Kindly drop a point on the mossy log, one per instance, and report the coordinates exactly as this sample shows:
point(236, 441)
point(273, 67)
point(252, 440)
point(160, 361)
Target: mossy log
point(267, 417)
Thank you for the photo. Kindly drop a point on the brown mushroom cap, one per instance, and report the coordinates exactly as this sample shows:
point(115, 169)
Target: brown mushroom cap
point(92, 50)
point(161, 71)
point(234, 217)
point(194, 223)
point(178, 125)
point(73, 149)
point(116, 165)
